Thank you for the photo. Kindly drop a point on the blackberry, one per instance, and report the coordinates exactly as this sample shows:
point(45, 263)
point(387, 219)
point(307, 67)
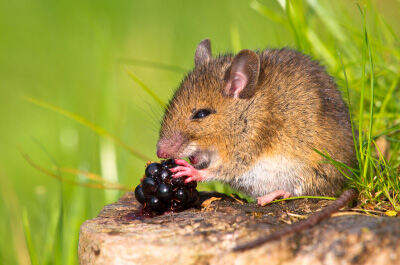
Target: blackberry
point(156, 204)
point(176, 206)
point(192, 185)
point(164, 192)
point(181, 195)
point(169, 163)
point(159, 191)
point(149, 186)
point(178, 182)
point(165, 175)
point(193, 196)
point(152, 170)
point(139, 194)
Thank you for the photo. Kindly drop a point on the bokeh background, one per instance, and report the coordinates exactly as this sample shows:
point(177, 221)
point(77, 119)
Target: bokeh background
point(77, 55)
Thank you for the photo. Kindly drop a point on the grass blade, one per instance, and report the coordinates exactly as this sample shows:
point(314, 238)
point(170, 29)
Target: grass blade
point(28, 237)
point(12, 211)
point(72, 182)
point(320, 48)
point(336, 163)
point(90, 176)
point(88, 124)
point(151, 64)
point(296, 33)
point(59, 236)
point(303, 197)
point(147, 89)
point(361, 110)
point(390, 130)
point(367, 47)
point(349, 103)
point(267, 12)
point(389, 95)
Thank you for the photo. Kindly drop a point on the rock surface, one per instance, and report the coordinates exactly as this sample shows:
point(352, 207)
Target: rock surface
point(205, 236)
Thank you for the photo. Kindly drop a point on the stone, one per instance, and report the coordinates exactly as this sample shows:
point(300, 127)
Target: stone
point(118, 235)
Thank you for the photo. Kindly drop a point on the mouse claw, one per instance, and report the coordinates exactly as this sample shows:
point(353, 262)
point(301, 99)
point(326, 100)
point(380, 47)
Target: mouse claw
point(186, 169)
point(182, 163)
point(177, 169)
point(264, 200)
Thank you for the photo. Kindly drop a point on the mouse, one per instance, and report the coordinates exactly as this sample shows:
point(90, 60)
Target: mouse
point(254, 119)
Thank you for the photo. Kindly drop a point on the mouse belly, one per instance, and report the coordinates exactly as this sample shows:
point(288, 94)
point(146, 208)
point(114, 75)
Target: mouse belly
point(270, 174)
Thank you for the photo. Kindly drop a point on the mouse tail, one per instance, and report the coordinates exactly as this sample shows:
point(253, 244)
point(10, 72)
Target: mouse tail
point(314, 219)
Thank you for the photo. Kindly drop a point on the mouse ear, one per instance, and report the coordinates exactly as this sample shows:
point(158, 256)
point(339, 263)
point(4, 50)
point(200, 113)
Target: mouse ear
point(203, 53)
point(242, 76)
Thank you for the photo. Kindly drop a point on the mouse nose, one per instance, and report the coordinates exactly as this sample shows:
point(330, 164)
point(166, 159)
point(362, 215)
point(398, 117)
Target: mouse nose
point(161, 153)
point(168, 147)
point(165, 149)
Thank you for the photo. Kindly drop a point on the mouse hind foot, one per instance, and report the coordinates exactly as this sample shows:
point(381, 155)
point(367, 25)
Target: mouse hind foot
point(263, 200)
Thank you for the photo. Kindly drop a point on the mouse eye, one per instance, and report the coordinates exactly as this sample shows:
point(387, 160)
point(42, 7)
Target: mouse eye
point(201, 113)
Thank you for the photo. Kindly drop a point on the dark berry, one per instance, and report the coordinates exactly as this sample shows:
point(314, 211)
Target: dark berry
point(159, 191)
point(169, 163)
point(164, 192)
point(157, 179)
point(178, 182)
point(182, 196)
point(139, 195)
point(153, 170)
point(165, 175)
point(149, 186)
point(193, 197)
point(176, 206)
point(191, 185)
point(156, 205)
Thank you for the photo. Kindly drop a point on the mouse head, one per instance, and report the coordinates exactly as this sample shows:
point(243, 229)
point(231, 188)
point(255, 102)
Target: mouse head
point(207, 116)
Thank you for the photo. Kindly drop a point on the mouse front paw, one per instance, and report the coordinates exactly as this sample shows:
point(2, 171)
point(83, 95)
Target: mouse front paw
point(186, 169)
point(262, 201)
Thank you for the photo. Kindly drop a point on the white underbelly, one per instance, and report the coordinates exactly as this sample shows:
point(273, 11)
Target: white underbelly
point(270, 174)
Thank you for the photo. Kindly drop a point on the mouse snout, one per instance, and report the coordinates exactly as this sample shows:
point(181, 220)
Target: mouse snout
point(170, 146)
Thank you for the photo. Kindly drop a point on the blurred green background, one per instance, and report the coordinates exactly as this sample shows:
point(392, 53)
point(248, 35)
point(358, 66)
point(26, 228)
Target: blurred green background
point(76, 54)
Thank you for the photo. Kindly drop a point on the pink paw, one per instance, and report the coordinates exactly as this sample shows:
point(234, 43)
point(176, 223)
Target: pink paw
point(186, 169)
point(272, 196)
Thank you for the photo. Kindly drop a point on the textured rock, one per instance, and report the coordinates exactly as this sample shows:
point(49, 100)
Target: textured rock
point(206, 236)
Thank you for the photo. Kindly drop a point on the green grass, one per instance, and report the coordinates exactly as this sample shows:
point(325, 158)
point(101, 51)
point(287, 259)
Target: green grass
point(99, 74)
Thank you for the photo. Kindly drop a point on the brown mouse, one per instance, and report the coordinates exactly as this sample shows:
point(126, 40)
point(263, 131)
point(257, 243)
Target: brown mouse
point(253, 120)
